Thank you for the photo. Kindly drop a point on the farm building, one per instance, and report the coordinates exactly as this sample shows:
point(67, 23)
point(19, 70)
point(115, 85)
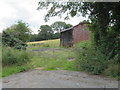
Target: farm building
point(75, 34)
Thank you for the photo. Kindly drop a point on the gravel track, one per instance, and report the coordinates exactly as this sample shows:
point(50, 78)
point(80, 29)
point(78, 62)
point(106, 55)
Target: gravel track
point(57, 79)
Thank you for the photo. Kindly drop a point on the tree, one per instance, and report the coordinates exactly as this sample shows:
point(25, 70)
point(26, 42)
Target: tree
point(85, 22)
point(104, 17)
point(68, 26)
point(11, 41)
point(34, 37)
point(45, 32)
point(59, 8)
point(20, 31)
point(58, 26)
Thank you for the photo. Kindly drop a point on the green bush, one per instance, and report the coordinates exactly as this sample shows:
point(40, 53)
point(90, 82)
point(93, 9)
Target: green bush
point(88, 59)
point(12, 56)
point(11, 41)
point(94, 61)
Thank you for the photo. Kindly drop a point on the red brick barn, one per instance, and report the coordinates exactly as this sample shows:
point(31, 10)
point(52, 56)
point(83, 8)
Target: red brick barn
point(73, 35)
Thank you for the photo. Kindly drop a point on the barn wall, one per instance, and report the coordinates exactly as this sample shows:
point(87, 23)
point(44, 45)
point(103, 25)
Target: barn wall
point(79, 34)
point(61, 39)
point(66, 38)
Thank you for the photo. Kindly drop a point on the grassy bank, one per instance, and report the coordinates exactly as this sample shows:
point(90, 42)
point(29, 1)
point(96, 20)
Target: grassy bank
point(14, 61)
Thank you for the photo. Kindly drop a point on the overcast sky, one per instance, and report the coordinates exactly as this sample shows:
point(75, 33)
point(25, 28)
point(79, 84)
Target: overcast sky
point(26, 10)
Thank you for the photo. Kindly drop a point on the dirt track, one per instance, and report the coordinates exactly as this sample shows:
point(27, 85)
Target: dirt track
point(57, 79)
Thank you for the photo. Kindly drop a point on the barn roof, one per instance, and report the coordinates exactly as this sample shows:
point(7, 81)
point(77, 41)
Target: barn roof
point(67, 29)
point(72, 27)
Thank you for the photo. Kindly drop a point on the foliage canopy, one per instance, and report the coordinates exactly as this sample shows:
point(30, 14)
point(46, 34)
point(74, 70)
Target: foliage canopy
point(58, 26)
point(47, 32)
point(20, 31)
point(16, 35)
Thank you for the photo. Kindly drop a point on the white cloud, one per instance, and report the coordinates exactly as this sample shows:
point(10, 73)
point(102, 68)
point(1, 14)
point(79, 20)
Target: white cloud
point(26, 10)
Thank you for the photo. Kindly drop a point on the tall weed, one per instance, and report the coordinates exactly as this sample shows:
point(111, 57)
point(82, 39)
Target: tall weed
point(12, 56)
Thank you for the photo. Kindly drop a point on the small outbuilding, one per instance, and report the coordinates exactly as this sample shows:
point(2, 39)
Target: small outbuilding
point(75, 34)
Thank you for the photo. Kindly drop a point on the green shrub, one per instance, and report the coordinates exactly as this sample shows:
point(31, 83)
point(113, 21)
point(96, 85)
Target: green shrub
point(88, 59)
point(12, 56)
point(94, 61)
point(11, 41)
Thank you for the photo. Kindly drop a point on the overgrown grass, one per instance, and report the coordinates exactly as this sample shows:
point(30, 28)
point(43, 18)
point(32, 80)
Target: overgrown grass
point(93, 61)
point(12, 56)
point(14, 61)
point(81, 58)
point(54, 60)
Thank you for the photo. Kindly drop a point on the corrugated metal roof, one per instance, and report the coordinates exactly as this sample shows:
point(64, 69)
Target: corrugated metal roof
point(72, 27)
point(67, 29)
